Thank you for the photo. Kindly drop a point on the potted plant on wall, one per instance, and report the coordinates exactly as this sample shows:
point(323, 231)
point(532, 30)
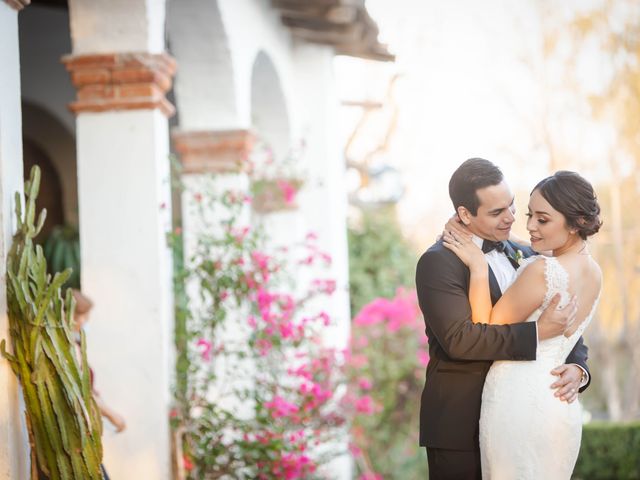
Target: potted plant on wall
point(275, 183)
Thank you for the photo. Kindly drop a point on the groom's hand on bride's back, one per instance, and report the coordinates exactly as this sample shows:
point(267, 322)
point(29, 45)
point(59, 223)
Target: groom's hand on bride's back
point(555, 320)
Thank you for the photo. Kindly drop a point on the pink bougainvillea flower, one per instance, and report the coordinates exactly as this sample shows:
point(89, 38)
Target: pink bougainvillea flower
point(308, 260)
point(324, 285)
point(326, 258)
point(355, 450)
point(364, 384)
point(197, 197)
point(288, 191)
point(302, 371)
point(279, 407)
point(311, 236)
point(359, 342)
point(324, 317)
point(239, 234)
point(261, 260)
point(186, 462)
point(400, 311)
point(358, 361)
point(423, 358)
point(286, 330)
point(370, 476)
point(205, 352)
point(264, 346)
point(365, 405)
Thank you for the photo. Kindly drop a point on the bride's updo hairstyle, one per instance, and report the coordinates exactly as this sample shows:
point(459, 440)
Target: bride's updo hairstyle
point(572, 196)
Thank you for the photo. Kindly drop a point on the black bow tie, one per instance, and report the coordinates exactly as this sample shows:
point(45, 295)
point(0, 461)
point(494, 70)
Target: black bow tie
point(488, 246)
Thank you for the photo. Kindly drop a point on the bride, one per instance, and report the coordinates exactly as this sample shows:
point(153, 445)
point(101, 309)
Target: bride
point(526, 432)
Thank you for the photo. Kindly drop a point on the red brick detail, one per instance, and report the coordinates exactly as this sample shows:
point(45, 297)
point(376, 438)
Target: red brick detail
point(215, 151)
point(17, 4)
point(121, 81)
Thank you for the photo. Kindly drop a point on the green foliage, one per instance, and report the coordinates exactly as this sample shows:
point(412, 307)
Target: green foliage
point(388, 361)
point(63, 420)
point(388, 348)
point(609, 451)
point(62, 251)
point(380, 260)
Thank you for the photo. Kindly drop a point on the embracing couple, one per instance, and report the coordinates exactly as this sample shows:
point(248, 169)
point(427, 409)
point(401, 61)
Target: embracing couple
point(505, 322)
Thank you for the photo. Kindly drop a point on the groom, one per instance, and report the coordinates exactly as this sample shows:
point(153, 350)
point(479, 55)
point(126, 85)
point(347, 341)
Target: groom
point(461, 352)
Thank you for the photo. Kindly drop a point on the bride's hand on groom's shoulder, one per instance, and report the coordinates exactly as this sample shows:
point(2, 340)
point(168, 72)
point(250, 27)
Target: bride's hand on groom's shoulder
point(454, 225)
point(470, 254)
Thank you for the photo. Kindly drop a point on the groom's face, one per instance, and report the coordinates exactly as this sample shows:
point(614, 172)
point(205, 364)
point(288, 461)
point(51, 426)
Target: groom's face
point(495, 214)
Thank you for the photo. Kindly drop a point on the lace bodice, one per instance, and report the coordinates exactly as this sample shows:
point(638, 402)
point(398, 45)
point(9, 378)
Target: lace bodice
point(557, 280)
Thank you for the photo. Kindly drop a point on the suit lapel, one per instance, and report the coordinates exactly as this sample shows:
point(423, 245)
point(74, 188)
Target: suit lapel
point(494, 287)
point(511, 255)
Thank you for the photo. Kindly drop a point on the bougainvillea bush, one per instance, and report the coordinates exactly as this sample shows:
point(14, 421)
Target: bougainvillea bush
point(386, 368)
point(259, 394)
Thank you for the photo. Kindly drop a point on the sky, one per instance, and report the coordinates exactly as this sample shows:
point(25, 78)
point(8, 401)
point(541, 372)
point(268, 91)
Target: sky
point(473, 82)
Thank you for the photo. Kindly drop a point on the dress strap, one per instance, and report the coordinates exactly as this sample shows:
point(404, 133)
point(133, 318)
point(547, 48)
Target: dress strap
point(557, 281)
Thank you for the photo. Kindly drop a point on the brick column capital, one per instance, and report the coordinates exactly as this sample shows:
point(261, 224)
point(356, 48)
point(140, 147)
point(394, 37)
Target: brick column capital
point(213, 151)
point(17, 4)
point(121, 81)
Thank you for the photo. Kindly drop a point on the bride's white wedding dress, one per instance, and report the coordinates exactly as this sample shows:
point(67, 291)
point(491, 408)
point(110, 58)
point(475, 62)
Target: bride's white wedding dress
point(526, 433)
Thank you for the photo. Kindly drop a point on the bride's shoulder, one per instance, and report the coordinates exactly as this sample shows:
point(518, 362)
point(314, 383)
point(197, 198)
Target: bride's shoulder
point(528, 262)
point(531, 267)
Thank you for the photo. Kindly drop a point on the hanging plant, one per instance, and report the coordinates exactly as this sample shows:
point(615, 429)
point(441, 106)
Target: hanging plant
point(275, 183)
point(271, 195)
point(63, 420)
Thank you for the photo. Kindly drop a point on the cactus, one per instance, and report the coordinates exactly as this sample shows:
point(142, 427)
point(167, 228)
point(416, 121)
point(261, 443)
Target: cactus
point(63, 420)
point(62, 251)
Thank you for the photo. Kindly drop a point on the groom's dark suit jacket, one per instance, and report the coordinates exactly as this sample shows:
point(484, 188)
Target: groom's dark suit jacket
point(461, 352)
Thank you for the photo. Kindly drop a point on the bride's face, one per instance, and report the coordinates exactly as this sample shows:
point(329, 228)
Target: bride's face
point(547, 227)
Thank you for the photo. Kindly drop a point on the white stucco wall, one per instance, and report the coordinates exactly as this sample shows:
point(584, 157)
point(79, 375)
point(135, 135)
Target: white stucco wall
point(13, 440)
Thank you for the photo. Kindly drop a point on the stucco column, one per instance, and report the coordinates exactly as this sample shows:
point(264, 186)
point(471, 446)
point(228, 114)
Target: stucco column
point(14, 450)
point(324, 203)
point(121, 76)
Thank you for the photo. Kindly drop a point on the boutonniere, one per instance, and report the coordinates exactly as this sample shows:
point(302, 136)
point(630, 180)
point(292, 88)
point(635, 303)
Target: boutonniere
point(519, 257)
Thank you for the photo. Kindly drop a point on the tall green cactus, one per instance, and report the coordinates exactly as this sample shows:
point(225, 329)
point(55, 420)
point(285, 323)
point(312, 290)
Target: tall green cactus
point(63, 419)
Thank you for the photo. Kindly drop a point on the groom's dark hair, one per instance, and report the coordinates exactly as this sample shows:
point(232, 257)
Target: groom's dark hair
point(471, 176)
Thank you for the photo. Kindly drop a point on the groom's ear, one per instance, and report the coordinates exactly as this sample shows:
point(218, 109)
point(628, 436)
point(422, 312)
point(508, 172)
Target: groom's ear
point(464, 215)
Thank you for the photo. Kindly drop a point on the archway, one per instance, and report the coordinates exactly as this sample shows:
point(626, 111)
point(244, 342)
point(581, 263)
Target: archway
point(269, 114)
